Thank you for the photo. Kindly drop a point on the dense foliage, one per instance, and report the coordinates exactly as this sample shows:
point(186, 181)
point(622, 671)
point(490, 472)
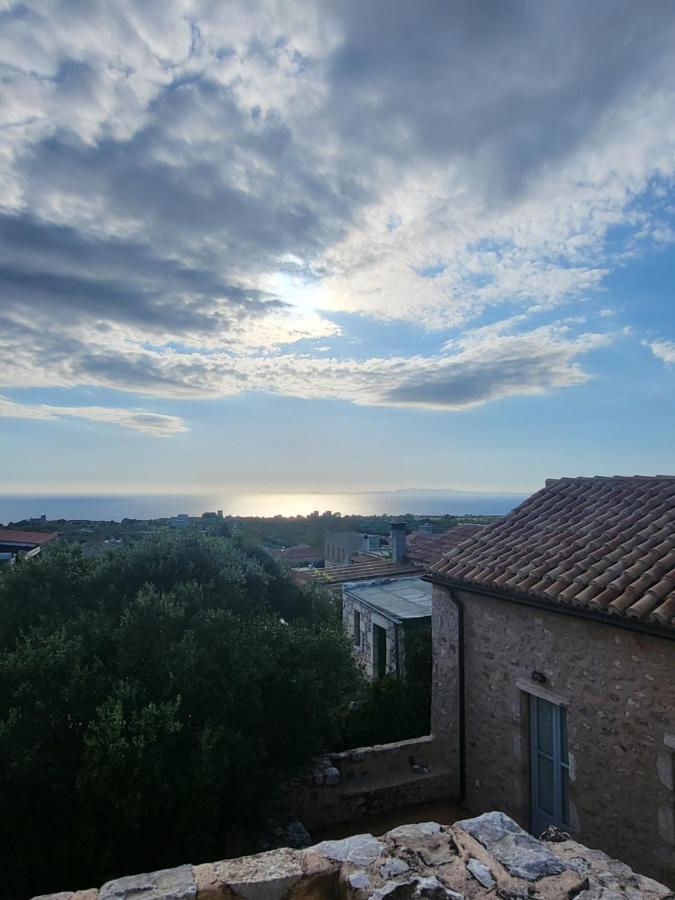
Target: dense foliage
point(150, 703)
point(393, 709)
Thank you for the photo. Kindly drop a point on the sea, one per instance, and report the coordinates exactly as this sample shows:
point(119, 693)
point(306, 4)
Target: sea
point(17, 507)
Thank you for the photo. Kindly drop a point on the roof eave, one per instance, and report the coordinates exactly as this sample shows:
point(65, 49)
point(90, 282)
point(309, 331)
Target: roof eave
point(662, 631)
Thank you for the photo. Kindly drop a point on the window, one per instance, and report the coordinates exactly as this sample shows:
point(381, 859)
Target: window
point(357, 629)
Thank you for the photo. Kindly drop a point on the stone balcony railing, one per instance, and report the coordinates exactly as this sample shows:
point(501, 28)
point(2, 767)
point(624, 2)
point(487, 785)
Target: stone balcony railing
point(489, 856)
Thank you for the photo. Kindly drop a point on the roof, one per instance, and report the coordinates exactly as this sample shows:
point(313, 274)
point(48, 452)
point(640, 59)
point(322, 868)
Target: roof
point(602, 544)
point(425, 549)
point(34, 538)
point(298, 551)
point(397, 598)
point(334, 577)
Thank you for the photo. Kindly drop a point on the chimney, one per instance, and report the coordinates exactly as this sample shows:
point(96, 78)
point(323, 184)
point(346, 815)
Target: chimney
point(397, 541)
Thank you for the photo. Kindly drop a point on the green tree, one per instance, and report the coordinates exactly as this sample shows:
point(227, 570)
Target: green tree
point(152, 702)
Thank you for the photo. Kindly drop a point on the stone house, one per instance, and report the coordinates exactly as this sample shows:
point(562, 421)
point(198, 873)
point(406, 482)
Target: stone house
point(379, 615)
point(341, 546)
point(554, 666)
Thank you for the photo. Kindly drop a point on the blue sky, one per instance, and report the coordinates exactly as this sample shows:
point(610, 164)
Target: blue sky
point(252, 247)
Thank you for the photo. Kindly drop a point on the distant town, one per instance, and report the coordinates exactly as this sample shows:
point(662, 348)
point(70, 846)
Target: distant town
point(297, 540)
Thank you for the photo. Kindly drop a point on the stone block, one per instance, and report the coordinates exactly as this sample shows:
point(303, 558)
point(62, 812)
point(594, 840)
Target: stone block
point(61, 895)
point(165, 884)
point(266, 876)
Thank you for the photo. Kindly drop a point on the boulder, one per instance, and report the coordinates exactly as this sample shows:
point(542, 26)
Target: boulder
point(522, 855)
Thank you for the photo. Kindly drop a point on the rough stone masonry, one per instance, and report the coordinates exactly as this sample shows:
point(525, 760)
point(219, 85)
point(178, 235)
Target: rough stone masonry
point(488, 856)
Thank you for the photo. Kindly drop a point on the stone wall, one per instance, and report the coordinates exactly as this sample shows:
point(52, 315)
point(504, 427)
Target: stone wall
point(489, 856)
point(618, 687)
point(364, 651)
point(369, 780)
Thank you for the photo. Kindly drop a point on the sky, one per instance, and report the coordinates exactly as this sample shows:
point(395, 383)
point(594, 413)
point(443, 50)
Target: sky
point(335, 245)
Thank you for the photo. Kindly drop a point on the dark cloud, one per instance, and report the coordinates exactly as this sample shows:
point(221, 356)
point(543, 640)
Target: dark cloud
point(466, 385)
point(505, 87)
point(58, 270)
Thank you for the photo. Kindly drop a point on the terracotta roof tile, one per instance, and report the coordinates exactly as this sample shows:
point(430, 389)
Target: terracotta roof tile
point(36, 538)
point(606, 544)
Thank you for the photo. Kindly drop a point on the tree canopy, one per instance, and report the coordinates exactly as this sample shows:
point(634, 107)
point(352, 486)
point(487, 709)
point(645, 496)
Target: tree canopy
point(152, 701)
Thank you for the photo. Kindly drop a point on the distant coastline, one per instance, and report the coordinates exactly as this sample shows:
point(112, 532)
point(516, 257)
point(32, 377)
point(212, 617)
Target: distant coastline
point(16, 507)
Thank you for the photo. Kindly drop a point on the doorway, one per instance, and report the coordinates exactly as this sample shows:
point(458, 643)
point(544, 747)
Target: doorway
point(549, 766)
point(379, 651)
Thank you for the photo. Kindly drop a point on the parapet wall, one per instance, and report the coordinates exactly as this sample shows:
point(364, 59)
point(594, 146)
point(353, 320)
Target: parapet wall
point(489, 856)
point(344, 787)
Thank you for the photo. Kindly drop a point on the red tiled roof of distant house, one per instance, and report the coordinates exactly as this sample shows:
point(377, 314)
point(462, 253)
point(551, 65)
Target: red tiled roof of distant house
point(34, 538)
point(605, 544)
point(299, 552)
point(426, 549)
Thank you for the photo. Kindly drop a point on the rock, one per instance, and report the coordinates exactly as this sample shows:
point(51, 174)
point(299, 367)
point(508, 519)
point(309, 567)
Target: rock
point(359, 850)
point(596, 891)
point(428, 840)
point(522, 855)
point(419, 830)
point(208, 883)
point(481, 873)
point(320, 877)
point(648, 887)
point(266, 876)
point(394, 890)
point(415, 889)
point(331, 775)
point(392, 867)
point(62, 895)
point(90, 894)
point(359, 880)
point(166, 884)
point(432, 889)
point(604, 872)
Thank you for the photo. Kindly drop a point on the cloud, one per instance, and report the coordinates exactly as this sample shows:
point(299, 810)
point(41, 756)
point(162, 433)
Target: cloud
point(151, 423)
point(663, 350)
point(482, 365)
point(191, 190)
